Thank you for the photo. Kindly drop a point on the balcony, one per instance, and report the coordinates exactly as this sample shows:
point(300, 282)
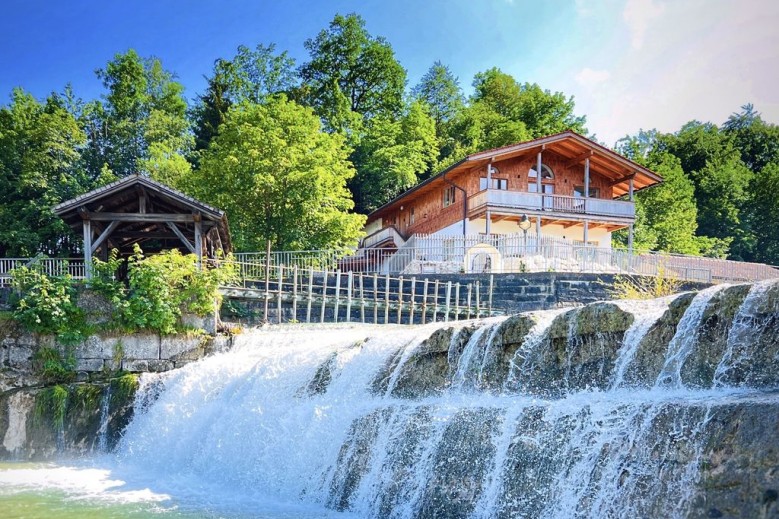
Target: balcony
point(517, 202)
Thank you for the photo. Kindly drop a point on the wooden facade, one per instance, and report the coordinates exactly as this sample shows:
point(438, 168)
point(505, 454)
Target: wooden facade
point(139, 210)
point(574, 162)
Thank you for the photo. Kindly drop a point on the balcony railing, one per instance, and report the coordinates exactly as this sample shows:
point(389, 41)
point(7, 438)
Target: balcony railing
point(496, 199)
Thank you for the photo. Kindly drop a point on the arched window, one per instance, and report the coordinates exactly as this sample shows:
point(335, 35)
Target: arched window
point(546, 173)
point(547, 180)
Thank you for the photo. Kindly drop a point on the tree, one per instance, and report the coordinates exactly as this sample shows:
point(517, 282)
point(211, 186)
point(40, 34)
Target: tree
point(764, 214)
point(541, 111)
point(39, 168)
point(251, 76)
point(279, 178)
point(144, 106)
point(351, 76)
point(709, 158)
point(392, 155)
point(440, 89)
point(756, 140)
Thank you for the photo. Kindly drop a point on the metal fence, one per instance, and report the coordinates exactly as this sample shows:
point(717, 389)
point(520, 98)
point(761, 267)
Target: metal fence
point(516, 253)
point(477, 253)
point(51, 266)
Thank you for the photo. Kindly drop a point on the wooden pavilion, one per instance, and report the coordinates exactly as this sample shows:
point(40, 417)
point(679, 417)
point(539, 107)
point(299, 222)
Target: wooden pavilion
point(139, 210)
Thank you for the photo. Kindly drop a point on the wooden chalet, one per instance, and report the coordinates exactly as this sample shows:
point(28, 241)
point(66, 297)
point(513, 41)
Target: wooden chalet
point(584, 192)
point(139, 210)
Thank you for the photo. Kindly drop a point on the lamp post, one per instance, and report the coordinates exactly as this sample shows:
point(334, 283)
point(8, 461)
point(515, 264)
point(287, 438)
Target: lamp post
point(524, 224)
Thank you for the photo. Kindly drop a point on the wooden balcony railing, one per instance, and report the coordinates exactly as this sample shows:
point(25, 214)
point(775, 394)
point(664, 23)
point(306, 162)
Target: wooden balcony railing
point(496, 199)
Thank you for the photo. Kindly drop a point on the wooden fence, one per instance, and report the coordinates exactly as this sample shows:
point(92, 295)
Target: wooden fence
point(294, 294)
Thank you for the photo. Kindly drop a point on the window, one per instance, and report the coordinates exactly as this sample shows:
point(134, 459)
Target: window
point(578, 192)
point(411, 217)
point(448, 196)
point(547, 189)
point(497, 183)
point(546, 173)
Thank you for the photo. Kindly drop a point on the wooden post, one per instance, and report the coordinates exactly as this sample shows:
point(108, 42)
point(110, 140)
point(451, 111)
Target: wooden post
point(448, 300)
point(424, 302)
point(278, 296)
point(492, 286)
point(413, 296)
point(295, 293)
point(468, 302)
point(324, 297)
point(400, 298)
point(310, 293)
point(478, 313)
point(362, 298)
point(337, 294)
point(199, 241)
point(386, 298)
point(435, 302)
point(375, 298)
point(457, 302)
point(267, 279)
point(349, 285)
point(87, 248)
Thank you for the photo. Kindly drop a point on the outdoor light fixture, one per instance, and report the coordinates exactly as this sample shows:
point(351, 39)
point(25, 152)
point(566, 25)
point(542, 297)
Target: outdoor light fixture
point(524, 222)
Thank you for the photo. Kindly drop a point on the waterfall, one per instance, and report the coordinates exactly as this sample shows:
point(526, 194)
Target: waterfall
point(685, 338)
point(102, 432)
point(527, 416)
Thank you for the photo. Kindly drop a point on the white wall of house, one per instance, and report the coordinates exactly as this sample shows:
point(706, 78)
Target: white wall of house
point(372, 227)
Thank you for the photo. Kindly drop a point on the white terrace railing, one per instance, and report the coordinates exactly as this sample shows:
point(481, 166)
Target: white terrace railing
point(497, 199)
point(51, 266)
point(515, 253)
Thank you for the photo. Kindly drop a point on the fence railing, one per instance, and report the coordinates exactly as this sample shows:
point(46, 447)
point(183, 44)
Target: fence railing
point(476, 253)
point(516, 253)
point(292, 293)
point(51, 266)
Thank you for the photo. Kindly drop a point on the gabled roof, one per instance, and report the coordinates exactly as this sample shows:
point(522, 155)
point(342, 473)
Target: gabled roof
point(568, 144)
point(131, 181)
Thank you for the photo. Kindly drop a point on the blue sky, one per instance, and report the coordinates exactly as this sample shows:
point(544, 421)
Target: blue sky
point(629, 63)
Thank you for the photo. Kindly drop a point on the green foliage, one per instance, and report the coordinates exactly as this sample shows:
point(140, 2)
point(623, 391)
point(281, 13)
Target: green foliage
point(39, 168)
point(145, 112)
point(52, 404)
point(392, 156)
point(279, 178)
point(160, 287)
point(645, 287)
point(351, 75)
point(47, 304)
point(440, 89)
point(764, 214)
point(123, 388)
point(53, 366)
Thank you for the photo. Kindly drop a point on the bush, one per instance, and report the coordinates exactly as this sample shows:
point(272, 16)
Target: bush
point(46, 304)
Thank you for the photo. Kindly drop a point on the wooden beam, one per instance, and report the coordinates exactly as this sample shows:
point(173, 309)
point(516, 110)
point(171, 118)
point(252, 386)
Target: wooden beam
point(136, 217)
point(181, 237)
point(104, 235)
point(623, 179)
point(570, 224)
point(575, 160)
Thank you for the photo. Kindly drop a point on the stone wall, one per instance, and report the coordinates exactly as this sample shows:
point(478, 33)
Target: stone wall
point(102, 354)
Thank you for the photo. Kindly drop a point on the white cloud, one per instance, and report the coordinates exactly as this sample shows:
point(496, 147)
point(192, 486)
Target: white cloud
point(590, 78)
point(638, 16)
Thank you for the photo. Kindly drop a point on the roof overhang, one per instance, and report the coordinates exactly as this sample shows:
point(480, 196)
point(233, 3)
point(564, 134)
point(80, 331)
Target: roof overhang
point(569, 144)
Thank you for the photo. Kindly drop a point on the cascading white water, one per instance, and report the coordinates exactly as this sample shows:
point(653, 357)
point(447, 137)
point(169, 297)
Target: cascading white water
point(683, 341)
point(252, 421)
point(102, 432)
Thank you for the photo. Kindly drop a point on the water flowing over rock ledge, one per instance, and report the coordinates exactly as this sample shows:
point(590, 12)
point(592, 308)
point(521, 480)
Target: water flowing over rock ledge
point(665, 408)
